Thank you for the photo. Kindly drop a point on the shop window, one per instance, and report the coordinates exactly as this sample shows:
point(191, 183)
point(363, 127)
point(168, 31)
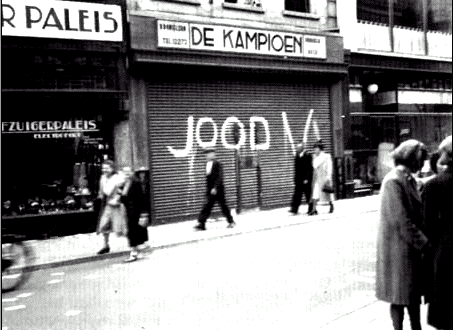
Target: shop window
point(51, 159)
point(376, 11)
point(301, 6)
point(59, 71)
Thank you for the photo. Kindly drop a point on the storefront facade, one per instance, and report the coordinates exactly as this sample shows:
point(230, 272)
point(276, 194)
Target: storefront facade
point(63, 99)
point(252, 93)
point(399, 55)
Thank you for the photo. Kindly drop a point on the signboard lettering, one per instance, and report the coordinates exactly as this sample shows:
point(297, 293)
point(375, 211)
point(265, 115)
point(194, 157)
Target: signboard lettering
point(239, 40)
point(50, 129)
point(62, 19)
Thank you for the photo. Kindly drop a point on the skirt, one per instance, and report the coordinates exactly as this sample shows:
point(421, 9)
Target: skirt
point(113, 219)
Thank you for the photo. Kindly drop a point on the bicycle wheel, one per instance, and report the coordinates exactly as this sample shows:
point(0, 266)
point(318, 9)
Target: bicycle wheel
point(16, 258)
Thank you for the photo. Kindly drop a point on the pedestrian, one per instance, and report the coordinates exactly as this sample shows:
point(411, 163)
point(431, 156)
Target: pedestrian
point(132, 198)
point(400, 241)
point(437, 212)
point(431, 172)
point(215, 191)
point(112, 216)
point(322, 178)
point(303, 175)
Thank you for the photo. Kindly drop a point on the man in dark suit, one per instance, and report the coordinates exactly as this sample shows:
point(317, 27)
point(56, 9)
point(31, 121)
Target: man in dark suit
point(215, 191)
point(303, 175)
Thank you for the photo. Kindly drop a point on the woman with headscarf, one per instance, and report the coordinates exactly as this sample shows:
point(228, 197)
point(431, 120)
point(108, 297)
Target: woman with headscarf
point(401, 241)
point(437, 212)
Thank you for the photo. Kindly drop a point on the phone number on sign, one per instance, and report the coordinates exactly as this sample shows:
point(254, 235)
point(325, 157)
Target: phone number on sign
point(169, 41)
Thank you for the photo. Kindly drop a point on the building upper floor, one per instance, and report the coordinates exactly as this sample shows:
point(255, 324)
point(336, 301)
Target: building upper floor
point(420, 28)
point(290, 15)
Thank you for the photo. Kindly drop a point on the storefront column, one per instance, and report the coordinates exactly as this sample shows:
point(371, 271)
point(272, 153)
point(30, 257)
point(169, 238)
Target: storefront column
point(122, 144)
point(138, 124)
point(336, 106)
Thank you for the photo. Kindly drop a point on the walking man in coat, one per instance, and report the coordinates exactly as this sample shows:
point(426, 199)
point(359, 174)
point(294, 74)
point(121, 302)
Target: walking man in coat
point(215, 191)
point(303, 174)
point(438, 215)
point(401, 241)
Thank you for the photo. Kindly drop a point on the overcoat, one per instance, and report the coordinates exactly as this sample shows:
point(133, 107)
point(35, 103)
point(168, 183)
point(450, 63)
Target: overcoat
point(303, 168)
point(215, 178)
point(322, 174)
point(437, 210)
point(132, 198)
point(399, 268)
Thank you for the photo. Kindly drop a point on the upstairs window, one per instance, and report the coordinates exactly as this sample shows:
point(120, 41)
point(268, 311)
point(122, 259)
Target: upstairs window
point(301, 6)
point(376, 11)
point(252, 3)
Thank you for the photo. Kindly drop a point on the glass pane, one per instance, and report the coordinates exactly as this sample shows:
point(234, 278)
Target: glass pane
point(302, 6)
point(408, 13)
point(373, 11)
point(439, 15)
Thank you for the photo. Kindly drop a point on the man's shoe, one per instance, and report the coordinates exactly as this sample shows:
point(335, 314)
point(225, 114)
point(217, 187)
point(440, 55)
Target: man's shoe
point(200, 227)
point(231, 225)
point(104, 250)
point(313, 212)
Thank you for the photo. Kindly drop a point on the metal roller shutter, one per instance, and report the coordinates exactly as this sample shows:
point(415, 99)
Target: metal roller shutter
point(179, 182)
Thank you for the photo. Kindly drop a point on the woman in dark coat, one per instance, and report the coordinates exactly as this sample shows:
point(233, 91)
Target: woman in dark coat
point(132, 198)
point(401, 242)
point(437, 211)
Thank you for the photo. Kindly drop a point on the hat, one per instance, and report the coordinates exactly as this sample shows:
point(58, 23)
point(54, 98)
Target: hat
point(208, 150)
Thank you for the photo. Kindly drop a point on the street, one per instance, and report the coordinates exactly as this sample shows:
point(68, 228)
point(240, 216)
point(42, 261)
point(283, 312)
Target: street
point(296, 277)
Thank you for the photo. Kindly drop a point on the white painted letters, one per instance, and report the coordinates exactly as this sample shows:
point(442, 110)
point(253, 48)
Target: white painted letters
point(186, 151)
point(200, 122)
point(229, 121)
point(228, 125)
point(264, 145)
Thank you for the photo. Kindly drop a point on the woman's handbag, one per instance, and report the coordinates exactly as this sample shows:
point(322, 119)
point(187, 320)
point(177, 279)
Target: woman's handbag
point(327, 188)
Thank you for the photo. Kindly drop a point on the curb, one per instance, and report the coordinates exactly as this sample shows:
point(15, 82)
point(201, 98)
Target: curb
point(124, 253)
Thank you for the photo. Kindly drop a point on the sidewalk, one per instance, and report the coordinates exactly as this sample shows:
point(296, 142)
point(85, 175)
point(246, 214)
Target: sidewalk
point(355, 313)
point(68, 250)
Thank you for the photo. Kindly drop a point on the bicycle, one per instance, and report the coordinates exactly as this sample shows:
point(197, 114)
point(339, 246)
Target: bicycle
point(17, 257)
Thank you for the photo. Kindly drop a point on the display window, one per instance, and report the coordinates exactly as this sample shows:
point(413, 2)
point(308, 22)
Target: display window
point(52, 150)
point(373, 138)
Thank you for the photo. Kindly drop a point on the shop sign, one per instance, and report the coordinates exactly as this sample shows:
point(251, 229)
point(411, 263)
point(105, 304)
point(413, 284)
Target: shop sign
point(239, 40)
point(62, 19)
point(50, 129)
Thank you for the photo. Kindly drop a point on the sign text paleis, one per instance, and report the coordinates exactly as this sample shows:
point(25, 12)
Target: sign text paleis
point(62, 19)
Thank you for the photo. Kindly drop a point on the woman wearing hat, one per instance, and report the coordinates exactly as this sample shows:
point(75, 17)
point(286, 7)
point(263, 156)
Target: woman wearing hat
point(322, 177)
point(401, 241)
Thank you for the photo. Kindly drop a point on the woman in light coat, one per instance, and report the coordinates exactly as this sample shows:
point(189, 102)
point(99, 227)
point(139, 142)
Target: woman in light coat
point(322, 175)
point(401, 241)
point(113, 213)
